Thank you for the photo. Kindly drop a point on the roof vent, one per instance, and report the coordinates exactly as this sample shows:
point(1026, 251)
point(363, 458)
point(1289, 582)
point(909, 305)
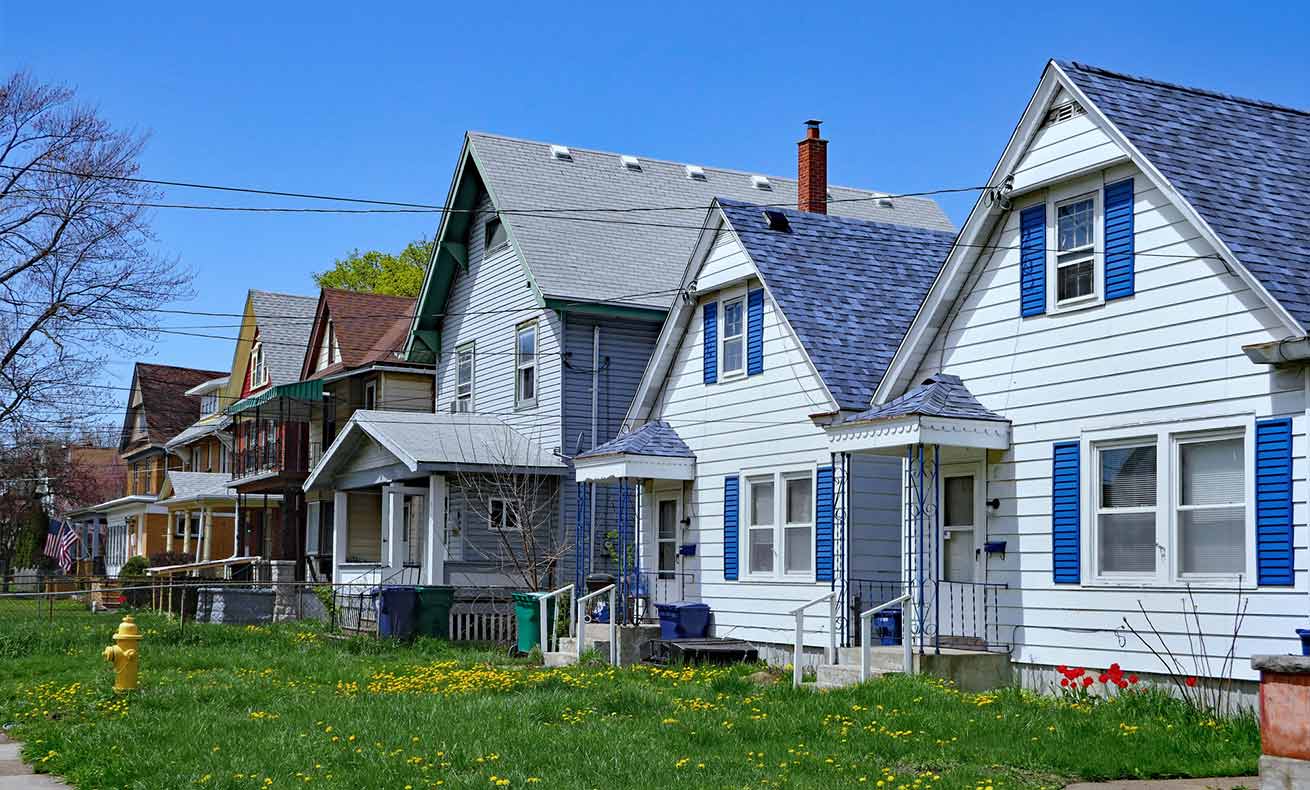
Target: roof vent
point(776, 220)
point(695, 172)
point(885, 201)
point(1064, 112)
point(761, 182)
point(631, 163)
point(561, 152)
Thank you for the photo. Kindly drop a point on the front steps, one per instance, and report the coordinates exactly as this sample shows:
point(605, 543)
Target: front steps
point(970, 670)
point(836, 676)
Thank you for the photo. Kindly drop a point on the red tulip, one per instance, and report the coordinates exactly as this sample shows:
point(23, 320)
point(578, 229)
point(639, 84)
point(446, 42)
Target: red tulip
point(1104, 677)
point(1064, 682)
point(1087, 682)
point(1062, 669)
point(1132, 679)
point(1123, 684)
point(1191, 682)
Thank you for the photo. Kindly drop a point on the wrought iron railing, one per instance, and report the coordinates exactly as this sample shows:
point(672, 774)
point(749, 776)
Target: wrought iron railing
point(966, 615)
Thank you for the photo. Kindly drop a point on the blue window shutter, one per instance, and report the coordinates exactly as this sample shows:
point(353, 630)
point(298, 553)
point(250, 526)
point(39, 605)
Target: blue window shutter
point(1032, 260)
point(711, 313)
point(755, 332)
point(823, 554)
point(1066, 514)
point(1273, 502)
point(1119, 280)
point(730, 488)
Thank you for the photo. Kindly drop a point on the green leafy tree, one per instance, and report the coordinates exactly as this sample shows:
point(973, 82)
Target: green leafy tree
point(380, 272)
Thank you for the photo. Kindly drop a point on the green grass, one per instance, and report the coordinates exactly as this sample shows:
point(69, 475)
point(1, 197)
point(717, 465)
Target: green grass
point(224, 706)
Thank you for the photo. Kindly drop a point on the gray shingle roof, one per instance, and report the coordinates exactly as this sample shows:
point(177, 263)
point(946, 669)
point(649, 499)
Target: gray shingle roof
point(456, 439)
point(1241, 163)
point(848, 287)
point(653, 438)
point(592, 257)
point(193, 485)
point(940, 395)
point(284, 322)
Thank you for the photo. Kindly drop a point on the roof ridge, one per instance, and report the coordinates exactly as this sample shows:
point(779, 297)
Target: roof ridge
point(733, 202)
point(180, 367)
point(733, 171)
point(281, 294)
point(1268, 105)
point(369, 294)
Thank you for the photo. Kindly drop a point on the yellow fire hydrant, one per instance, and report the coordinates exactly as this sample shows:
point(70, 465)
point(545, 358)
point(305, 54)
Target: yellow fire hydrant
point(124, 655)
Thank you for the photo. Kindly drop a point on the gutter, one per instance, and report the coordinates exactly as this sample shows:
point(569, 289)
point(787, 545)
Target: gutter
point(1289, 350)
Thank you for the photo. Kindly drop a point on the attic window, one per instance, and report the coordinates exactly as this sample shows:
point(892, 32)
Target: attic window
point(561, 152)
point(777, 220)
point(761, 182)
point(631, 163)
point(695, 172)
point(496, 237)
point(1064, 112)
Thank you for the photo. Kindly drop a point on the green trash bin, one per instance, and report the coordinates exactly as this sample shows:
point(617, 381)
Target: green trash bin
point(433, 617)
point(527, 611)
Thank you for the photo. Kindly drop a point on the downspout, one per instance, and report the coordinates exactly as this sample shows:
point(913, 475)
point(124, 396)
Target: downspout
point(595, 418)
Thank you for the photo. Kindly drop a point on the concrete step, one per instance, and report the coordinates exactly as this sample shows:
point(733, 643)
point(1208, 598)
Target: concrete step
point(831, 676)
point(881, 659)
point(563, 658)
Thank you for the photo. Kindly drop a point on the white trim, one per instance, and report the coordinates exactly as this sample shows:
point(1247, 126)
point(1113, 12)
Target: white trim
point(618, 466)
point(915, 429)
point(521, 402)
point(727, 296)
point(469, 348)
point(1075, 192)
point(777, 477)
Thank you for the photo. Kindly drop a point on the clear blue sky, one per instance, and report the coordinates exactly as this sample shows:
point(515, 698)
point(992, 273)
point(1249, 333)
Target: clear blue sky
point(372, 99)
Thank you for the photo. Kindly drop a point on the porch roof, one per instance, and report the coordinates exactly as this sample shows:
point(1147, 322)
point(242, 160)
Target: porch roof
point(297, 390)
point(195, 487)
point(655, 451)
point(941, 410)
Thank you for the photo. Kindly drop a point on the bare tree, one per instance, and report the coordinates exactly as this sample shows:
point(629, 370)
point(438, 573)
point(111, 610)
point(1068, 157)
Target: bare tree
point(79, 280)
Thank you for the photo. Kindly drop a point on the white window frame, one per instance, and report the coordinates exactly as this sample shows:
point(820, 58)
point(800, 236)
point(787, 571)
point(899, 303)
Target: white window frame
point(660, 541)
point(1167, 437)
point(521, 402)
point(258, 366)
point(725, 299)
point(504, 525)
point(370, 395)
point(208, 404)
point(462, 397)
point(1072, 192)
point(778, 477)
point(196, 525)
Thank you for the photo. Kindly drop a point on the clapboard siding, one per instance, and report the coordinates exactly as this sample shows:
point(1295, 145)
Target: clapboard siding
point(406, 392)
point(487, 303)
point(1170, 353)
point(755, 423)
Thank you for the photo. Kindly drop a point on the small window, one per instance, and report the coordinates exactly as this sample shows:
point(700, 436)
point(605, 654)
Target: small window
point(496, 235)
point(1211, 514)
point(1075, 261)
point(1126, 510)
point(464, 379)
point(502, 516)
point(258, 370)
point(761, 525)
point(667, 538)
point(798, 529)
point(179, 526)
point(733, 341)
point(525, 363)
point(208, 404)
point(370, 395)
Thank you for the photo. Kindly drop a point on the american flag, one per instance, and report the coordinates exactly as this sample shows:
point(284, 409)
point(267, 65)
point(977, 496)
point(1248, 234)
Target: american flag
point(67, 541)
point(52, 540)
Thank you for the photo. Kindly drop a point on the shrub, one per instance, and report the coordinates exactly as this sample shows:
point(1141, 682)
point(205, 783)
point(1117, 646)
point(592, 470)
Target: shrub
point(134, 568)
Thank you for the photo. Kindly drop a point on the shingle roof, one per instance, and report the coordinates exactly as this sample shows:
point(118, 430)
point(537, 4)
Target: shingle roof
point(1241, 163)
point(284, 321)
point(167, 407)
point(940, 395)
point(193, 485)
point(848, 287)
point(369, 328)
point(595, 259)
point(653, 438)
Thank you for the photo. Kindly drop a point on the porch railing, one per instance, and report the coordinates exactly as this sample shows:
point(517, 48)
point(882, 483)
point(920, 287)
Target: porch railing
point(608, 590)
point(799, 641)
point(866, 634)
point(656, 587)
point(547, 629)
point(967, 615)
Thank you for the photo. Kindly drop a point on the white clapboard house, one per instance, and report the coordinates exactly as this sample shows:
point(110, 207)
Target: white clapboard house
point(1096, 416)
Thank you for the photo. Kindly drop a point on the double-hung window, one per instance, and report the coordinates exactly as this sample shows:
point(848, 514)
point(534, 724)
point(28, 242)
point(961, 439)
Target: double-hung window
point(464, 379)
point(1075, 256)
point(501, 515)
point(733, 355)
point(258, 370)
point(1172, 504)
point(780, 524)
point(525, 364)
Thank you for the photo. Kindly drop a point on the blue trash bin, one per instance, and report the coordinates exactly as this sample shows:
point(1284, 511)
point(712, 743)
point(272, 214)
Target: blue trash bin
point(683, 620)
point(887, 624)
point(396, 608)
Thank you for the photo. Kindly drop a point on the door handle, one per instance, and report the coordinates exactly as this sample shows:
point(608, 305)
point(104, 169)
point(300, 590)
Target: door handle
point(977, 553)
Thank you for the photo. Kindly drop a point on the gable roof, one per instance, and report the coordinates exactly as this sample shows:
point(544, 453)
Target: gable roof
point(1240, 163)
point(187, 486)
point(283, 321)
point(571, 257)
point(369, 328)
point(168, 409)
point(940, 395)
point(654, 438)
point(848, 287)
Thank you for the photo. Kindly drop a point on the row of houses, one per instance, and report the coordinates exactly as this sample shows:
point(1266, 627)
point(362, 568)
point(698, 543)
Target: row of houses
point(1083, 409)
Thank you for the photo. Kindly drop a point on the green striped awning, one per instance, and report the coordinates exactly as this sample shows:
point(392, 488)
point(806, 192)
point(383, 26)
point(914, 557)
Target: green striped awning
point(299, 390)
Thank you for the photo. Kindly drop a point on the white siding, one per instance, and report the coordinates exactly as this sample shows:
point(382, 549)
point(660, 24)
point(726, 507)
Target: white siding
point(1065, 147)
point(487, 302)
point(751, 424)
point(1171, 352)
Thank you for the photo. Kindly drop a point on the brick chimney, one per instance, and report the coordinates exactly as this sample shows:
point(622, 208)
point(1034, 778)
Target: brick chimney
point(812, 171)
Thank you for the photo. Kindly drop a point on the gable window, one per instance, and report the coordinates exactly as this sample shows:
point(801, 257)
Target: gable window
point(371, 395)
point(734, 344)
point(1075, 260)
point(1172, 505)
point(258, 368)
point(525, 364)
point(208, 404)
point(502, 516)
point(495, 235)
point(780, 523)
point(463, 379)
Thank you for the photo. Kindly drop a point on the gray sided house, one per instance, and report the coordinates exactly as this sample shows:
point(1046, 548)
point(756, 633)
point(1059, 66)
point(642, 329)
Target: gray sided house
point(554, 270)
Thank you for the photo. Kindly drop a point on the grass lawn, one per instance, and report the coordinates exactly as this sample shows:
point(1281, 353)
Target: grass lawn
point(232, 707)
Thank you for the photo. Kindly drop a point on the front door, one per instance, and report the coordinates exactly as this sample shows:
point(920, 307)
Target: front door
point(960, 594)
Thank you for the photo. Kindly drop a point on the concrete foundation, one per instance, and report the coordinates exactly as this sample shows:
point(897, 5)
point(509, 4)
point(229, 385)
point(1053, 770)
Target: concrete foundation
point(632, 643)
point(1283, 773)
point(238, 606)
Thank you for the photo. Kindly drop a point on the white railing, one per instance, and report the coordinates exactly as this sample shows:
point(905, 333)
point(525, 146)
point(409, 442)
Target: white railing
point(582, 623)
point(866, 635)
point(546, 630)
point(831, 650)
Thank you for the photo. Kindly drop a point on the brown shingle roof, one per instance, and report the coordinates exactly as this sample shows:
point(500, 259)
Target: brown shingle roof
point(168, 408)
point(369, 328)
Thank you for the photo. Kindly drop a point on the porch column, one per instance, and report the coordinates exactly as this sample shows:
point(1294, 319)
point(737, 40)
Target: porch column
point(186, 531)
point(207, 532)
point(168, 533)
point(393, 518)
point(341, 502)
point(434, 548)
